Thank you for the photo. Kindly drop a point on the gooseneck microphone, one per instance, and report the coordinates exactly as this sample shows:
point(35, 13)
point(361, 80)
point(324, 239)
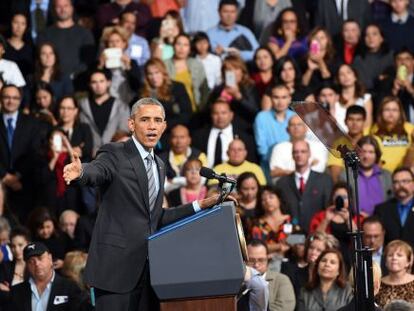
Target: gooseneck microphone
point(210, 174)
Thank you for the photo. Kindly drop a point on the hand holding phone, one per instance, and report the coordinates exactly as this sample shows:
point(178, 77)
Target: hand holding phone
point(230, 78)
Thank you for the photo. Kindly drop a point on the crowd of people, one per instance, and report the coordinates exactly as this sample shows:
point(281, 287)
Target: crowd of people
point(226, 72)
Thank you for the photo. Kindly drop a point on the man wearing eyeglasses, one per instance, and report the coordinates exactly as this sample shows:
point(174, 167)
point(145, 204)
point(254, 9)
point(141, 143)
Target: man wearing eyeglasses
point(397, 214)
point(19, 140)
point(281, 293)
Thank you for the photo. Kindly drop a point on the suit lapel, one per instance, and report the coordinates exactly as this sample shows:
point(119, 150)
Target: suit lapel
point(292, 185)
point(53, 290)
point(161, 175)
point(309, 183)
point(3, 131)
point(139, 169)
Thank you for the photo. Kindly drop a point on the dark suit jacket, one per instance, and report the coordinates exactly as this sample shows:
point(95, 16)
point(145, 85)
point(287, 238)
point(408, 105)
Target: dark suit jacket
point(26, 142)
point(20, 296)
point(327, 14)
point(390, 218)
point(316, 196)
point(118, 250)
point(200, 141)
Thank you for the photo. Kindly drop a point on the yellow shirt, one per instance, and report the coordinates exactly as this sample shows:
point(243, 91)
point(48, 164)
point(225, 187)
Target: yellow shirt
point(234, 171)
point(334, 161)
point(178, 160)
point(185, 78)
point(394, 147)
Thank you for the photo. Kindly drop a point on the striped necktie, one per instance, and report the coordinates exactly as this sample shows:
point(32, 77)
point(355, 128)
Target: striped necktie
point(152, 189)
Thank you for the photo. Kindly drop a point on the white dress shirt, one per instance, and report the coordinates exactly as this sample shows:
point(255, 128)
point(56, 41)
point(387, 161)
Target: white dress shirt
point(226, 138)
point(305, 176)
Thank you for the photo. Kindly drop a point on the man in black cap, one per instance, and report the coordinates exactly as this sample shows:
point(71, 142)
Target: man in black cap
point(45, 290)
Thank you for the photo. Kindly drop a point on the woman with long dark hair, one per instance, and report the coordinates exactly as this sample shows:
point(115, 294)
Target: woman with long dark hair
point(328, 288)
point(263, 74)
point(47, 69)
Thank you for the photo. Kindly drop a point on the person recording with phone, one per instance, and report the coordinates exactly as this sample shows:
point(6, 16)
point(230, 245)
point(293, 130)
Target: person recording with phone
point(334, 219)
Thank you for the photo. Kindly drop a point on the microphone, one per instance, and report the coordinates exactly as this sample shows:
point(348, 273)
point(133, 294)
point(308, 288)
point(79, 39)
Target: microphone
point(210, 174)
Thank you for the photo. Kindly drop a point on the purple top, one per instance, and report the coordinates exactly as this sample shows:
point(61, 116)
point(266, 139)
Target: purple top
point(298, 48)
point(370, 190)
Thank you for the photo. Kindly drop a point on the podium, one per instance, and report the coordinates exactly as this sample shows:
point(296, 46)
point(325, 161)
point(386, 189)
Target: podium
point(197, 263)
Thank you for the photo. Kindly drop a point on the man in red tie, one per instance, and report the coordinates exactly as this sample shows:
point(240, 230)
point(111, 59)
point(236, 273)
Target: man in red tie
point(305, 191)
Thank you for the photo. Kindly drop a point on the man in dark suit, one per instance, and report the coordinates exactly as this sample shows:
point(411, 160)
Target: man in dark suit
point(214, 140)
point(131, 182)
point(330, 14)
point(373, 237)
point(397, 214)
point(45, 289)
point(305, 191)
point(19, 140)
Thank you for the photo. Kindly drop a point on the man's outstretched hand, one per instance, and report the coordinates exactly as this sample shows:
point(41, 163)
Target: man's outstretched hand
point(73, 170)
point(213, 200)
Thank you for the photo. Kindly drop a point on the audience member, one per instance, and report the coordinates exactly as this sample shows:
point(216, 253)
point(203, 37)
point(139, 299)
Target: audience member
point(48, 70)
point(397, 26)
point(373, 237)
point(214, 140)
point(281, 294)
point(374, 183)
point(108, 15)
point(43, 282)
point(272, 227)
point(399, 305)
point(126, 75)
point(248, 189)
point(172, 94)
point(328, 288)
point(76, 56)
point(237, 164)
point(320, 60)
point(10, 72)
point(306, 191)
point(193, 189)
point(103, 113)
point(399, 282)
point(180, 151)
point(188, 71)
point(67, 222)
point(200, 15)
point(315, 244)
point(276, 121)
point(396, 214)
point(395, 133)
point(348, 46)
point(263, 75)
point(44, 108)
point(14, 272)
point(78, 133)
point(375, 58)
point(231, 38)
point(18, 144)
point(212, 63)
point(332, 14)
point(238, 89)
point(287, 36)
point(20, 46)
point(351, 92)
point(354, 121)
point(138, 48)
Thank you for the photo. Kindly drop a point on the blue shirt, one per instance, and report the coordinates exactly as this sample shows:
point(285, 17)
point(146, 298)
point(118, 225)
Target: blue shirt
point(39, 302)
point(404, 210)
point(268, 131)
point(138, 49)
point(12, 115)
point(220, 36)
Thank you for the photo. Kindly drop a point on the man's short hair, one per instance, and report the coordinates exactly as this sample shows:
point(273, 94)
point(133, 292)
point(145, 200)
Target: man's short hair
point(146, 101)
point(105, 72)
point(6, 86)
point(228, 2)
point(399, 305)
point(402, 169)
point(257, 243)
point(373, 220)
point(355, 109)
point(219, 101)
point(403, 50)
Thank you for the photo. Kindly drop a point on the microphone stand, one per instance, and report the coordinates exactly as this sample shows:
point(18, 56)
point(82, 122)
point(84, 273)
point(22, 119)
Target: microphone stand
point(361, 256)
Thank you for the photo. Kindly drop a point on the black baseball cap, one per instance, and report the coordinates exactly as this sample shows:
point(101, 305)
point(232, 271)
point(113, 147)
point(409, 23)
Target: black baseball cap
point(34, 249)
